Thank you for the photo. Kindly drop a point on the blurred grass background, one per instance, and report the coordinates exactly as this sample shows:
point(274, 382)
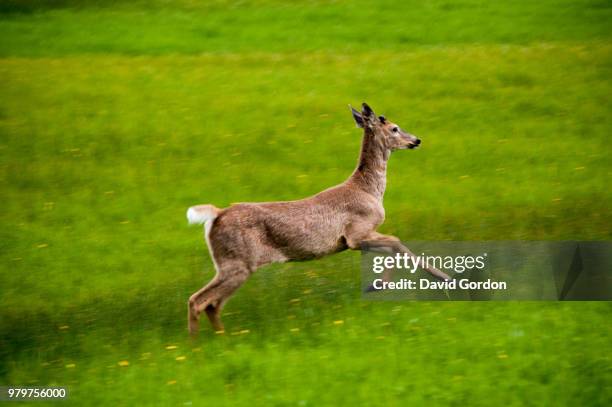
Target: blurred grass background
point(116, 116)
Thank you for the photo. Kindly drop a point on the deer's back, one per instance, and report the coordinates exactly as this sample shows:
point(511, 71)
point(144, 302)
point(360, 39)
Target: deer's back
point(292, 230)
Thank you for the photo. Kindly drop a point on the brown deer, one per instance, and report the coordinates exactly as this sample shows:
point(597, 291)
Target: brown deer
point(246, 236)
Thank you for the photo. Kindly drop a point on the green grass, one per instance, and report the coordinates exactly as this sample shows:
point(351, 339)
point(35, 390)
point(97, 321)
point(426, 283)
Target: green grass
point(114, 118)
point(278, 26)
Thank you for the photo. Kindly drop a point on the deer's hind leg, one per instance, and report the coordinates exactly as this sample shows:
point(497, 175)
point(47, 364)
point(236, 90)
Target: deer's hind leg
point(211, 299)
point(193, 316)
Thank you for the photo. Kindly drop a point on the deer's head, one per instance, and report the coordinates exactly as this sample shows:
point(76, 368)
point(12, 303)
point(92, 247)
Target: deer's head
point(389, 134)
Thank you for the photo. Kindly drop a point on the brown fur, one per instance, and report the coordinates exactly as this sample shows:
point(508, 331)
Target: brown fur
point(247, 236)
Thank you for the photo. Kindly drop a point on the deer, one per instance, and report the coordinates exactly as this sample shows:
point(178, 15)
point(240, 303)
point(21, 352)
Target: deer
point(246, 236)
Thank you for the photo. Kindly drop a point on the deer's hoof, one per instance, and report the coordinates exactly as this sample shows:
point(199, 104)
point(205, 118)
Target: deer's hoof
point(371, 288)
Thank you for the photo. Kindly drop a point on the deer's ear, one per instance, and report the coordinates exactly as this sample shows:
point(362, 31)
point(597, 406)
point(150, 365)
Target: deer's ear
point(369, 118)
point(366, 111)
point(357, 117)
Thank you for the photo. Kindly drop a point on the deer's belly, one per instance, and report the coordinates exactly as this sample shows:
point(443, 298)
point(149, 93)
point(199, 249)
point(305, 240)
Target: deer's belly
point(315, 251)
point(299, 244)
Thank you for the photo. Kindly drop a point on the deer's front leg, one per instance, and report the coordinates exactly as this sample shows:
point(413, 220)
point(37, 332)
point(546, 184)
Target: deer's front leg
point(389, 244)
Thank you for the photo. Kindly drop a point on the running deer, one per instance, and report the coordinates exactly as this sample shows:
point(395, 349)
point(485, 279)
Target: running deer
point(246, 236)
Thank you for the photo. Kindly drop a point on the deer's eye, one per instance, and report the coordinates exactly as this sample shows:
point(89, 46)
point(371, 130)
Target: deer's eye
point(395, 129)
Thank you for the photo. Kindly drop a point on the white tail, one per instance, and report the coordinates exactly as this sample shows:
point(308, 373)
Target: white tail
point(200, 214)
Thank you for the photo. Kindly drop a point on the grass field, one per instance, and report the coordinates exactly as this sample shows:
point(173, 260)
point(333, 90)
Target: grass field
point(117, 116)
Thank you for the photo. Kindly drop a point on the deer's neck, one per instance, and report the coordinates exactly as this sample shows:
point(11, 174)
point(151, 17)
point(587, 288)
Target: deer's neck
point(371, 172)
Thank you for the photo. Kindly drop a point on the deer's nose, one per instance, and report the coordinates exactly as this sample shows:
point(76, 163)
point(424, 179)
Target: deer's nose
point(417, 141)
